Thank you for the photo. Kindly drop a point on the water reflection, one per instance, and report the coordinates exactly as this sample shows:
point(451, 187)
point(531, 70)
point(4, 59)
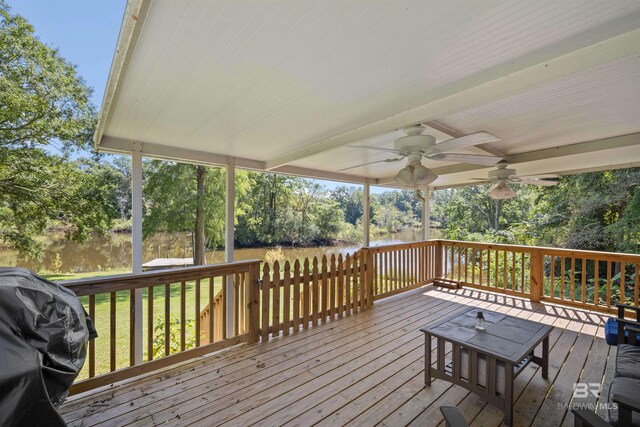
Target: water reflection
point(113, 252)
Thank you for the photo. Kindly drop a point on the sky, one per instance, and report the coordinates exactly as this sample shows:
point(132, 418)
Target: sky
point(86, 32)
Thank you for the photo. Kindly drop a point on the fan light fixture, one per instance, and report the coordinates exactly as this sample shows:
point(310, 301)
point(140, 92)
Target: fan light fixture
point(415, 174)
point(423, 176)
point(501, 191)
point(405, 176)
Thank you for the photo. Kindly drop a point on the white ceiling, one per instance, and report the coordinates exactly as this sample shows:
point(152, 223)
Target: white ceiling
point(301, 80)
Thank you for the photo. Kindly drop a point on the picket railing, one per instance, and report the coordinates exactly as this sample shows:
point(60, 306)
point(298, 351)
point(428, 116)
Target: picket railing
point(174, 315)
point(295, 296)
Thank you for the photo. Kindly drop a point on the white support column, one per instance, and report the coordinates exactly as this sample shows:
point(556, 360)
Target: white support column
point(426, 215)
point(136, 241)
point(365, 215)
point(229, 236)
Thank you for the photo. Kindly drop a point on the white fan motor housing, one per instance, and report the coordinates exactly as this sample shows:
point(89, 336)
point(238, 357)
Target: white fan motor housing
point(502, 172)
point(414, 141)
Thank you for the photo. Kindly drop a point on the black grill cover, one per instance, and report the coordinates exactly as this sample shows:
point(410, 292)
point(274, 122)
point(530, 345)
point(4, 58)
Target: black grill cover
point(44, 332)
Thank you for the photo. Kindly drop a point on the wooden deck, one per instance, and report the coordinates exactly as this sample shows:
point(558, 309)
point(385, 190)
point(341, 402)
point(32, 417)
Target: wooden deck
point(363, 370)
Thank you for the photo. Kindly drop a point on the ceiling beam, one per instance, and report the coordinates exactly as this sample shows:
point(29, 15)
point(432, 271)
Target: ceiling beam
point(478, 90)
point(326, 175)
point(453, 133)
point(561, 173)
point(602, 144)
point(578, 148)
point(163, 152)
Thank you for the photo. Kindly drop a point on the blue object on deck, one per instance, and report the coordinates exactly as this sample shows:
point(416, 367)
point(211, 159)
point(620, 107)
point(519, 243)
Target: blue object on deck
point(611, 331)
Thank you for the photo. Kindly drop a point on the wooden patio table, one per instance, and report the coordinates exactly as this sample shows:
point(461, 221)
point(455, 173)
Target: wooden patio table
point(486, 362)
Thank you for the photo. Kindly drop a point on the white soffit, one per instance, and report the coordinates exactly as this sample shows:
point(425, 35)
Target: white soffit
point(595, 103)
point(259, 79)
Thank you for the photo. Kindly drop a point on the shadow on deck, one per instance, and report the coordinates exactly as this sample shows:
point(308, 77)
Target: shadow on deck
point(362, 370)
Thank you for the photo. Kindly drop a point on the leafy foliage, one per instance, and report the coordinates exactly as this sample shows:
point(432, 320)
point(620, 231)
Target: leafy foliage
point(601, 214)
point(42, 97)
point(171, 198)
point(271, 209)
point(44, 102)
point(594, 211)
point(174, 336)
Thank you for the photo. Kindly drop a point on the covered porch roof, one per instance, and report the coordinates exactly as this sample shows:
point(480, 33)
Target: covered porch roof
point(289, 86)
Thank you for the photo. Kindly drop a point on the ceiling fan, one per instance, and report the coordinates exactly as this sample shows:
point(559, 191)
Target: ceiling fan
point(502, 177)
point(414, 146)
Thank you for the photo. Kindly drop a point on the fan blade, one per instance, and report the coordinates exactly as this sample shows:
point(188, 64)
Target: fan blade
point(542, 182)
point(370, 163)
point(465, 158)
point(386, 150)
point(464, 141)
point(542, 176)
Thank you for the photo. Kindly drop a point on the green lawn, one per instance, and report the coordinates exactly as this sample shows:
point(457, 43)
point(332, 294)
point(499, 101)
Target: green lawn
point(56, 277)
point(122, 320)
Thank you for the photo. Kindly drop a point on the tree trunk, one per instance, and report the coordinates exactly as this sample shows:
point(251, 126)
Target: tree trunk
point(199, 251)
point(498, 204)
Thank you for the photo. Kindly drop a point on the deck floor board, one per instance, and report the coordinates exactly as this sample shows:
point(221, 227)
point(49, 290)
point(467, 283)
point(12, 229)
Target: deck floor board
point(365, 369)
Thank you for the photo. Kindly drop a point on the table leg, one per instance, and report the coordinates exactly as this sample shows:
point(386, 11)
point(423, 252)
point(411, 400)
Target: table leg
point(427, 360)
point(508, 394)
point(545, 358)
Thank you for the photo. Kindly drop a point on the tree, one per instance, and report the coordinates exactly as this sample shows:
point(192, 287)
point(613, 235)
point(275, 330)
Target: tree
point(329, 220)
point(406, 203)
point(307, 199)
point(122, 176)
point(43, 102)
point(592, 211)
point(268, 216)
point(181, 197)
point(388, 216)
point(43, 99)
point(596, 211)
point(351, 201)
point(468, 213)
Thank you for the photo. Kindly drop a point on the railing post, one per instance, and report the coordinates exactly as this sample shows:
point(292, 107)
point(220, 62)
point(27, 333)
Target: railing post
point(438, 260)
point(253, 303)
point(367, 256)
point(535, 267)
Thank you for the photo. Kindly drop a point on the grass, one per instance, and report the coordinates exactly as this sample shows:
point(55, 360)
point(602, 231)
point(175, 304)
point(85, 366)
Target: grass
point(103, 320)
point(122, 320)
point(56, 277)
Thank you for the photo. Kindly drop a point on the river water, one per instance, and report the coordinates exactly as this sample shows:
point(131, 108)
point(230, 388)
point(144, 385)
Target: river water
point(113, 252)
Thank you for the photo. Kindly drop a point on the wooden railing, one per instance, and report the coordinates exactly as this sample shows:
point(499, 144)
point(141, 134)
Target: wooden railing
point(586, 279)
point(184, 312)
point(217, 316)
point(171, 303)
point(589, 279)
point(294, 297)
point(400, 267)
point(499, 268)
point(215, 320)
